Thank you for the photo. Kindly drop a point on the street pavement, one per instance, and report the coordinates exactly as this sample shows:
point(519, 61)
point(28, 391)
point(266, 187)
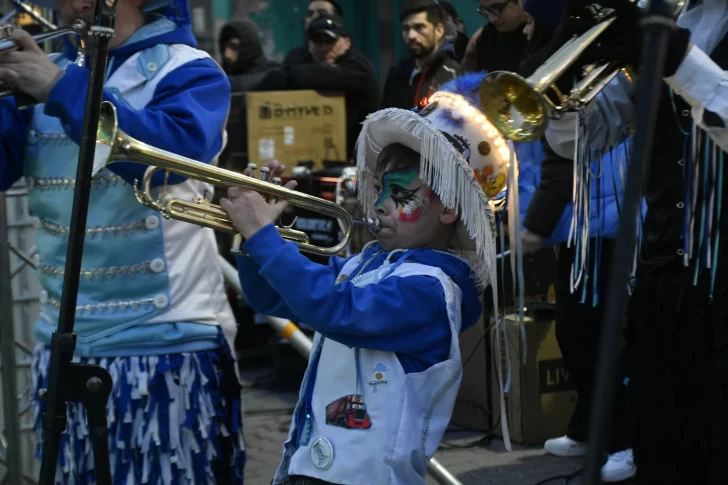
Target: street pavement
point(268, 413)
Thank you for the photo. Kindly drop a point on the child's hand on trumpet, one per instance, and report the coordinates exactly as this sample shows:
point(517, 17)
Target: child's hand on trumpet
point(249, 210)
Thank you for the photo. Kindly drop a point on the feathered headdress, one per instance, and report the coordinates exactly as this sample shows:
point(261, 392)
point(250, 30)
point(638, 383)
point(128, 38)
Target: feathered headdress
point(463, 158)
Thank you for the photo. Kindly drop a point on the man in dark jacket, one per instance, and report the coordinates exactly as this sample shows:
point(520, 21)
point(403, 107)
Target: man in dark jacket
point(242, 55)
point(500, 44)
point(455, 29)
point(431, 60)
point(316, 9)
point(334, 66)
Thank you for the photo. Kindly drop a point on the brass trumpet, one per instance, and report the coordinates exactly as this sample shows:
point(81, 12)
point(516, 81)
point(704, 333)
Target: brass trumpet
point(520, 108)
point(114, 145)
point(76, 28)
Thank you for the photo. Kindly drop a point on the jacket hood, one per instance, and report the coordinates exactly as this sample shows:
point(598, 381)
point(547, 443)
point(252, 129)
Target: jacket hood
point(158, 30)
point(456, 268)
point(250, 51)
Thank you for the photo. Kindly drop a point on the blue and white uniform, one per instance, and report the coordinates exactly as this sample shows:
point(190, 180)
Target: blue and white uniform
point(385, 370)
point(152, 307)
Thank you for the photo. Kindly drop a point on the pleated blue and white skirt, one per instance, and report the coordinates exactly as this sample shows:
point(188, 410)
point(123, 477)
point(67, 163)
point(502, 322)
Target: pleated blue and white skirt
point(173, 420)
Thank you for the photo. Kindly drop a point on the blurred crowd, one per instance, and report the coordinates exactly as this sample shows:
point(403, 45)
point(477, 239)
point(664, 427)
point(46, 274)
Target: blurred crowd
point(438, 50)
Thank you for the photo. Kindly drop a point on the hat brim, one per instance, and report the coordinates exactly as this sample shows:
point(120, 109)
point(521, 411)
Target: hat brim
point(323, 33)
point(444, 170)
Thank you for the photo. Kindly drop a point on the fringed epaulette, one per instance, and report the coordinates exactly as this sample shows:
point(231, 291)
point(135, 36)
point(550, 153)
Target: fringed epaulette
point(589, 207)
point(703, 177)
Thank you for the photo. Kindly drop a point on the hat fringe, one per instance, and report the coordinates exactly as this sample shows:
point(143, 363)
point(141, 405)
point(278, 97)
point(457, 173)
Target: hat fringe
point(449, 175)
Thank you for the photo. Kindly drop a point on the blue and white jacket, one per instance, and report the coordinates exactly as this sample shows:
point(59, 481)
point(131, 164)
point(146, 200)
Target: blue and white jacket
point(606, 188)
point(149, 285)
point(385, 370)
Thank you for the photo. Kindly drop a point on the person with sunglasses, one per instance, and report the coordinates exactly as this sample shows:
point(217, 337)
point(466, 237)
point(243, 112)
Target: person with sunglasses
point(500, 44)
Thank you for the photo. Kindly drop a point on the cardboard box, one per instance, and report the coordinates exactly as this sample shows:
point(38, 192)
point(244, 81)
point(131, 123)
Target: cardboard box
point(474, 407)
point(293, 126)
point(542, 397)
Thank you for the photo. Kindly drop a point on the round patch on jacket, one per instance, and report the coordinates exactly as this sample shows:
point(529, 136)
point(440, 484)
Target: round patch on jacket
point(322, 453)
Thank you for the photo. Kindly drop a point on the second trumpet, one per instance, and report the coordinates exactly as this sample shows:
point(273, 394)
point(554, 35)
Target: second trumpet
point(114, 145)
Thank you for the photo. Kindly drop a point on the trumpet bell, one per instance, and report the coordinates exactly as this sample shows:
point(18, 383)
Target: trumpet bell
point(512, 105)
point(106, 137)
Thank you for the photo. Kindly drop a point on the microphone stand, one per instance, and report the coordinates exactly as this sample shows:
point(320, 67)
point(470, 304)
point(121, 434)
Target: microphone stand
point(89, 385)
point(657, 26)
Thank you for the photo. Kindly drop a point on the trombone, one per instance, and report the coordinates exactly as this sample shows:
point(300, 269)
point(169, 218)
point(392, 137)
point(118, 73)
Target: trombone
point(113, 145)
point(520, 108)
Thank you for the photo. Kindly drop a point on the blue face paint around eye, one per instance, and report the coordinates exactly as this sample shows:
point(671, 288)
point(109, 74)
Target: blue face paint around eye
point(397, 179)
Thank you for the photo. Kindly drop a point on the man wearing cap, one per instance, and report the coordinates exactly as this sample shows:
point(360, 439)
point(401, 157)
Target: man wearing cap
point(315, 9)
point(151, 303)
point(431, 61)
point(335, 66)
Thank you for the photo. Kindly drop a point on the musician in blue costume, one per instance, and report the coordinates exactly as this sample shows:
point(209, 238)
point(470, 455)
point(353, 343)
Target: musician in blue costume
point(677, 334)
point(151, 305)
point(580, 220)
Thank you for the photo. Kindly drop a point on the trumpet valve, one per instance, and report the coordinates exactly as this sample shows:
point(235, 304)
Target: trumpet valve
point(276, 181)
point(264, 174)
point(237, 246)
point(253, 167)
point(202, 201)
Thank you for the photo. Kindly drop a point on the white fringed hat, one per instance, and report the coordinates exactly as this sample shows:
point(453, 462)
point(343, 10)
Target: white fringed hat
point(463, 158)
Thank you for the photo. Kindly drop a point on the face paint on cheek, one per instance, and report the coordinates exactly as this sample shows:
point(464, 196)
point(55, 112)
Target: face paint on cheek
point(400, 178)
point(414, 209)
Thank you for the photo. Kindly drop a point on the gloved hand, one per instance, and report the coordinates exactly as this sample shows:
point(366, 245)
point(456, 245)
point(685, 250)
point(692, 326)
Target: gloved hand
point(622, 41)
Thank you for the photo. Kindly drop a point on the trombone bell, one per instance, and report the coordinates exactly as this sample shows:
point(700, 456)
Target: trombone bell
point(520, 108)
point(113, 145)
point(509, 102)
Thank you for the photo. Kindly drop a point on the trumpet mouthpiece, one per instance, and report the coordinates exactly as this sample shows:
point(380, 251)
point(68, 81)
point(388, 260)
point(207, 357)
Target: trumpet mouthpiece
point(373, 224)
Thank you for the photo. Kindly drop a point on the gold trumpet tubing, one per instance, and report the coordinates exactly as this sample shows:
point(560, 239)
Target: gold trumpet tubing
point(200, 212)
point(121, 147)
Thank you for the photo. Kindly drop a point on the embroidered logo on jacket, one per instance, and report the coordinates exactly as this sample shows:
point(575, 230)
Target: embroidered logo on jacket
point(379, 378)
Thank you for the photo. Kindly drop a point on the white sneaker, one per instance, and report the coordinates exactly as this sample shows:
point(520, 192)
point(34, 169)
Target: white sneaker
point(619, 467)
point(565, 446)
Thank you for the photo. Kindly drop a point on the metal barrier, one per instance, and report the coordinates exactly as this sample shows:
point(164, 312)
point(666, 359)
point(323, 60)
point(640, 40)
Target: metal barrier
point(304, 345)
point(17, 292)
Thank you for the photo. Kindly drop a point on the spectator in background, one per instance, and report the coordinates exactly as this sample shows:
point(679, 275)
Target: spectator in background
point(431, 60)
point(455, 29)
point(335, 66)
point(316, 9)
point(246, 66)
point(499, 45)
point(242, 55)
